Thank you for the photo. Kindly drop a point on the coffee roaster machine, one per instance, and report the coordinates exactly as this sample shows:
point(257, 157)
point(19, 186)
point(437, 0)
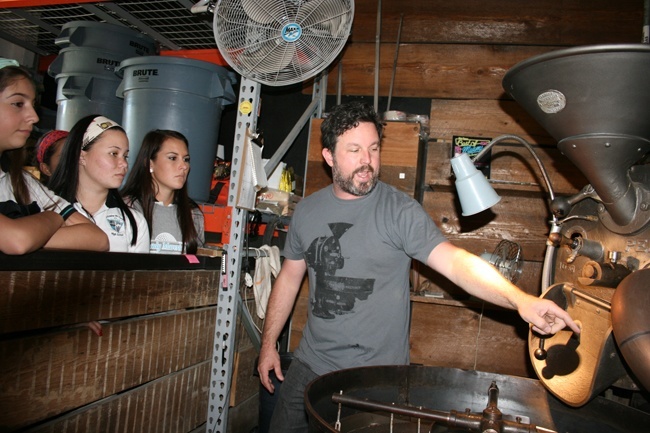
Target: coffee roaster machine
point(594, 101)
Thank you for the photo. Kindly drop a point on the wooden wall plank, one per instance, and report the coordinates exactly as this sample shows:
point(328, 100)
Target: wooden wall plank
point(57, 298)
point(512, 168)
point(176, 403)
point(469, 338)
point(462, 50)
point(484, 118)
point(524, 222)
point(50, 373)
point(504, 22)
point(432, 70)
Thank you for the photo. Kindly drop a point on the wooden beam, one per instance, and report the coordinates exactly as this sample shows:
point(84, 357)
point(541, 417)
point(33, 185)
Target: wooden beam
point(509, 22)
point(449, 71)
point(59, 298)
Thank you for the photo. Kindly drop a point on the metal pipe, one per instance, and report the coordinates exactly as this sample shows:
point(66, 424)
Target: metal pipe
point(286, 144)
point(464, 420)
point(592, 299)
point(501, 138)
point(339, 82)
point(547, 267)
point(646, 22)
point(392, 77)
point(433, 415)
point(377, 49)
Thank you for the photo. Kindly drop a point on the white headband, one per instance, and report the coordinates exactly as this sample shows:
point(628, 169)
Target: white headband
point(8, 62)
point(96, 128)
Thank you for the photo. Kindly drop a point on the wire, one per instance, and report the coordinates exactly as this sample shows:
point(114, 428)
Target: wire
point(478, 334)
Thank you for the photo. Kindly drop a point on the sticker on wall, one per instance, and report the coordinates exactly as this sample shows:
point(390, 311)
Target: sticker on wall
point(473, 146)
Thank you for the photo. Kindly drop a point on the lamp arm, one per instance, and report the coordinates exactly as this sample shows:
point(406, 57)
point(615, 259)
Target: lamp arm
point(547, 269)
point(520, 140)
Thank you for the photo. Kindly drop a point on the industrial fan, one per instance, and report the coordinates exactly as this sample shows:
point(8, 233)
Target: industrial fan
point(507, 258)
point(281, 42)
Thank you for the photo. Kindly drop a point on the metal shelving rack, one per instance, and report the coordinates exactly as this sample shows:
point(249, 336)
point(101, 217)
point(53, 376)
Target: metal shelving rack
point(228, 298)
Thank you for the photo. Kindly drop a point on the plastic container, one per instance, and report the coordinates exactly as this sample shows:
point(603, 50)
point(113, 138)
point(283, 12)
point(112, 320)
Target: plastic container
point(78, 95)
point(85, 68)
point(180, 94)
point(91, 34)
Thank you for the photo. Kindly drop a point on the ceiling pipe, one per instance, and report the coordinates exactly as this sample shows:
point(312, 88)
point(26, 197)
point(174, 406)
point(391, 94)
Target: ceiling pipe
point(377, 49)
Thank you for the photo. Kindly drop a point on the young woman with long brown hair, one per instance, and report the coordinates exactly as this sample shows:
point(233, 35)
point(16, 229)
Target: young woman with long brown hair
point(32, 216)
point(157, 184)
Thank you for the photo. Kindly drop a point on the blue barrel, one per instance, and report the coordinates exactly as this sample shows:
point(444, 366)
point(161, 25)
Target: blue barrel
point(84, 70)
point(184, 95)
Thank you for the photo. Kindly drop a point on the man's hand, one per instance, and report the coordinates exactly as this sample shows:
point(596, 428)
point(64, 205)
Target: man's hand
point(269, 360)
point(546, 316)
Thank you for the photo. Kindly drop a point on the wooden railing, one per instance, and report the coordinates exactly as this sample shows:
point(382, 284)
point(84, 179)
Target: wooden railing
point(148, 371)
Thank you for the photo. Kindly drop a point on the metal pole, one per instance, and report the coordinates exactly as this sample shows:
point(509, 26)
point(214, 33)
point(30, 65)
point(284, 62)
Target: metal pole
point(392, 77)
point(377, 49)
point(227, 299)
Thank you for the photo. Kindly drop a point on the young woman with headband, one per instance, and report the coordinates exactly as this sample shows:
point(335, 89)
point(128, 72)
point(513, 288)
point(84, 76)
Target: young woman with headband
point(92, 167)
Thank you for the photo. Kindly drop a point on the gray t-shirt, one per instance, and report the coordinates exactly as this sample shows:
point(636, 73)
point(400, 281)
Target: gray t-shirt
point(166, 235)
point(358, 254)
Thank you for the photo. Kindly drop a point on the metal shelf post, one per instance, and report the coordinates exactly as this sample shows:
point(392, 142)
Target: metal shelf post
point(224, 333)
point(231, 265)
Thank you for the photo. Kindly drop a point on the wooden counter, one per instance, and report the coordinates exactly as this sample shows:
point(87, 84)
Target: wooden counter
point(150, 369)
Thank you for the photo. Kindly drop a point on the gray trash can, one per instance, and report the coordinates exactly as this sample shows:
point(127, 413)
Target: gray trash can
point(84, 70)
point(184, 95)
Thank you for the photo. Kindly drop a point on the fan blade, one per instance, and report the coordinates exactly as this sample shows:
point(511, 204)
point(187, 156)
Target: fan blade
point(259, 10)
point(268, 57)
point(329, 15)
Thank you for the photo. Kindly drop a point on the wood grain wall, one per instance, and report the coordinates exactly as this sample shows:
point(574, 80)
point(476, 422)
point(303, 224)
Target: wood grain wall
point(148, 372)
point(456, 54)
point(460, 50)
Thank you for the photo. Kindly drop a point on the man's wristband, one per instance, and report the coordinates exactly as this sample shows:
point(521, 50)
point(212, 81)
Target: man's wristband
point(67, 211)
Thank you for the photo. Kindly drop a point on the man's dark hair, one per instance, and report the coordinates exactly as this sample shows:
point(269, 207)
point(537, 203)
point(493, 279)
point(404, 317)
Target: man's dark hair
point(344, 117)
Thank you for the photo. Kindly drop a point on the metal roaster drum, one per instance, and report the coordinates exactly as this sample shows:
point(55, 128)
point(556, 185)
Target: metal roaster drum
point(522, 402)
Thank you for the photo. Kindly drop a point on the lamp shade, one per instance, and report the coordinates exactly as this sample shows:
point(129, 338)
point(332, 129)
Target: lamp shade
point(474, 191)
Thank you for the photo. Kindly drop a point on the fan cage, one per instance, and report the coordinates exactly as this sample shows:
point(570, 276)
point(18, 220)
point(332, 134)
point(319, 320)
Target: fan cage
point(507, 258)
point(254, 37)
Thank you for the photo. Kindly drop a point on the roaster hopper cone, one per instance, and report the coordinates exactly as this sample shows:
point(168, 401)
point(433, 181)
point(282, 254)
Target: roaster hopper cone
point(594, 100)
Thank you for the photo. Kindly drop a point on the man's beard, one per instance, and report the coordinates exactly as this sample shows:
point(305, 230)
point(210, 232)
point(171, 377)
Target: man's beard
point(348, 185)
